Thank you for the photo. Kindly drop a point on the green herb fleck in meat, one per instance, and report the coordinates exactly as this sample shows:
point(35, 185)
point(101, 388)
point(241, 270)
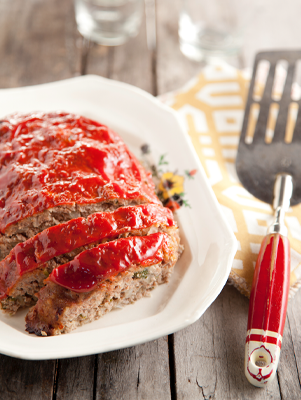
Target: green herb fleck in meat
point(141, 274)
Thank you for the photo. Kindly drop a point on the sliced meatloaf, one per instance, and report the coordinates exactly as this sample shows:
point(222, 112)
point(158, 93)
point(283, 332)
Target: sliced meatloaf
point(81, 228)
point(58, 166)
point(23, 271)
point(110, 275)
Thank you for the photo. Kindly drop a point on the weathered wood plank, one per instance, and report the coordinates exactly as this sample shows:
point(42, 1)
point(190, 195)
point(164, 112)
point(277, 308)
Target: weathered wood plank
point(293, 358)
point(209, 354)
point(130, 63)
point(37, 42)
point(75, 378)
point(99, 60)
point(287, 369)
point(140, 372)
point(294, 321)
point(23, 380)
point(173, 68)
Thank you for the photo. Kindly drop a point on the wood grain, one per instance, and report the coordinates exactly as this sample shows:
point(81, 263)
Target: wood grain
point(173, 69)
point(130, 63)
point(136, 373)
point(287, 369)
point(23, 380)
point(293, 357)
point(75, 379)
point(37, 42)
point(99, 60)
point(209, 354)
point(294, 325)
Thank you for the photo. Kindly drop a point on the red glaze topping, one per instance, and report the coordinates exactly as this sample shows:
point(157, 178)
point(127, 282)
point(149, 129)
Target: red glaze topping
point(63, 238)
point(91, 267)
point(8, 274)
point(50, 159)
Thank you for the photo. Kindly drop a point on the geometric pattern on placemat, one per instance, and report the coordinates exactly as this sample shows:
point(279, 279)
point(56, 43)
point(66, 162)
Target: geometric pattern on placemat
point(212, 107)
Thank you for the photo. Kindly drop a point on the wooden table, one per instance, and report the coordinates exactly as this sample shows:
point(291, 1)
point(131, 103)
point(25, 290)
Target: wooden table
point(39, 43)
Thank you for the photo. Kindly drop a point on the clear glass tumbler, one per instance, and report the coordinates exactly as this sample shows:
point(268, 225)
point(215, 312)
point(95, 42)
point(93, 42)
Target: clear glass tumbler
point(108, 22)
point(209, 28)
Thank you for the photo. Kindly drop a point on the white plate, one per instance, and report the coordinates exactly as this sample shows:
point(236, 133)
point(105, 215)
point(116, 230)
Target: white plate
point(210, 245)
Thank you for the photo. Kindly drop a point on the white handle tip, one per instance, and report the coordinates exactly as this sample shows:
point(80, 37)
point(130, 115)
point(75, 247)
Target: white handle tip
point(261, 361)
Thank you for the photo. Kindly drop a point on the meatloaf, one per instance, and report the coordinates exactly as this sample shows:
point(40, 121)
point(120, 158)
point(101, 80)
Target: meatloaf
point(111, 275)
point(23, 271)
point(57, 166)
point(81, 229)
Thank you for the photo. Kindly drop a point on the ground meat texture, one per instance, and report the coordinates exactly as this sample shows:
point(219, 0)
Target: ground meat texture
point(59, 166)
point(22, 289)
point(31, 226)
point(56, 168)
point(60, 310)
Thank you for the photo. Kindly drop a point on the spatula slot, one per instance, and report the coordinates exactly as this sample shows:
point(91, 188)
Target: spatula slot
point(279, 79)
point(291, 122)
point(252, 122)
point(272, 119)
point(270, 141)
point(262, 72)
point(296, 87)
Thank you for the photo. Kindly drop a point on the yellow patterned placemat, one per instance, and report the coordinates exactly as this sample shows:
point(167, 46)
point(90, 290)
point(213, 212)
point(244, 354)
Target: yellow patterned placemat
point(212, 107)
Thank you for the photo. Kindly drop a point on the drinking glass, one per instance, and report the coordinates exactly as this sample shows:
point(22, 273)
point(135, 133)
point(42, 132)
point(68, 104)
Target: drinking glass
point(211, 27)
point(108, 22)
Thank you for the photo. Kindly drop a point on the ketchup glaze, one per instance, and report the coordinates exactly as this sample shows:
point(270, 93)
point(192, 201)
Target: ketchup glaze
point(50, 159)
point(63, 238)
point(91, 267)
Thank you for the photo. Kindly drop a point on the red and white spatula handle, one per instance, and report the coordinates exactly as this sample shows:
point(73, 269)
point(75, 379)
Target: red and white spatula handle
point(269, 293)
point(267, 310)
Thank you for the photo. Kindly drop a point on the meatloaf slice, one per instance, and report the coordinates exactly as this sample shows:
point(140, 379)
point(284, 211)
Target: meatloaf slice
point(31, 226)
point(58, 166)
point(23, 271)
point(111, 275)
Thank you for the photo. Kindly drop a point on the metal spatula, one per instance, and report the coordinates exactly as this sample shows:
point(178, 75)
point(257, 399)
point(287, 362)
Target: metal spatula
point(270, 169)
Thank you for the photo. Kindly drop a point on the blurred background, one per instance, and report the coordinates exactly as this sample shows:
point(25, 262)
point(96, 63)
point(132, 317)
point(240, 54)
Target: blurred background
point(39, 42)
